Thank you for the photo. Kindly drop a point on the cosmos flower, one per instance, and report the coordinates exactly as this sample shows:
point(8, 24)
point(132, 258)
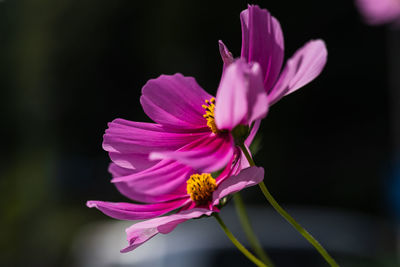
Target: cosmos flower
point(378, 12)
point(262, 42)
point(196, 195)
point(191, 126)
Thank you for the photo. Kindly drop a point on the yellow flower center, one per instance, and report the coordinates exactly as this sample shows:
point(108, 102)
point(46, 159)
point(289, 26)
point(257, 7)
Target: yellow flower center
point(210, 107)
point(200, 187)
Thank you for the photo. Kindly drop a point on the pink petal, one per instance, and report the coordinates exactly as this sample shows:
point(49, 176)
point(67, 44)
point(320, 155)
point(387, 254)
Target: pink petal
point(262, 42)
point(305, 65)
point(247, 177)
point(163, 182)
point(253, 132)
point(244, 163)
point(241, 97)
point(230, 167)
point(126, 190)
point(379, 11)
point(129, 143)
point(117, 171)
point(129, 211)
point(231, 105)
point(226, 56)
point(133, 161)
point(234, 167)
point(256, 96)
point(175, 101)
point(208, 154)
point(141, 232)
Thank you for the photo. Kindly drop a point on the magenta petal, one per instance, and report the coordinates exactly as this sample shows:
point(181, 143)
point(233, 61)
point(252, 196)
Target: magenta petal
point(127, 191)
point(124, 188)
point(305, 65)
point(133, 161)
point(256, 95)
point(163, 182)
point(129, 143)
point(241, 97)
point(253, 132)
point(244, 163)
point(247, 177)
point(141, 232)
point(208, 154)
point(129, 211)
point(262, 42)
point(226, 56)
point(175, 101)
point(117, 171)
point(231, 101)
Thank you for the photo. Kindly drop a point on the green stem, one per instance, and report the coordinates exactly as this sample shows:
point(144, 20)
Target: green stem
point(289, 218)
point(297, 226)
point(242, 249)
point(247, 155)
point(244, 220)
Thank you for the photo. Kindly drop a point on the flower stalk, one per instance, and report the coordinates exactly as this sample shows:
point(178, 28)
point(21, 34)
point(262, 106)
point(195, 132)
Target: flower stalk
point(289, 218)
point(239, 246)
point(251, 236)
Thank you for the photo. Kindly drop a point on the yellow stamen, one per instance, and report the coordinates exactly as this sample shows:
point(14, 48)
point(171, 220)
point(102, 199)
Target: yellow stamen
point(210, 107)
point(200, 187)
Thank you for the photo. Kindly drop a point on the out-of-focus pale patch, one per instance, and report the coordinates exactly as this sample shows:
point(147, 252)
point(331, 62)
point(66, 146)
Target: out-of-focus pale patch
point(378, 12)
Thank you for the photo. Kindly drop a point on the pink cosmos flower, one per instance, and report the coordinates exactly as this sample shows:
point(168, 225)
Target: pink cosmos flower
point(191, 126)
point(186, 127)
point(198, 195)
point(189, 123)
point(262, 42)
point(378, 12)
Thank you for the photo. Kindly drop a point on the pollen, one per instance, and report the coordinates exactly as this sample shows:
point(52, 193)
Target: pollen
point(200, 187)
point(209, 116)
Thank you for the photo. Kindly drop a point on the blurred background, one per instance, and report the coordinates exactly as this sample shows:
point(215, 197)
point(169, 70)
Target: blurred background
point(68, 67)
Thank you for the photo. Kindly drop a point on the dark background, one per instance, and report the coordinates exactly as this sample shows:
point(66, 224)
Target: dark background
point(68, 67)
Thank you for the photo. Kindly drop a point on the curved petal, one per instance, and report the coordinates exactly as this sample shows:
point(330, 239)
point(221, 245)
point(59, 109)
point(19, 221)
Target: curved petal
point(133, 161)
point(231, 106)
point(243, 162)
point(175, 101)
point(230, 168)
point(129, 143)
point(305, 65)
point(208, 154)
point(234, 167)
point(117, 171)
point(241, 97)
point(253, 133)
point(129, 211)
point(126, 190)
point(262, 42)
point(164, 181)
point(256, 96)
point(141, 232)
point(226, 56)
point(247, 177)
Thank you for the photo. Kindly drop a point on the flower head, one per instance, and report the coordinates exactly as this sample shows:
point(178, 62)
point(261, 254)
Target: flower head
point(262, 42)
point(193, 137)
point(191, 126)
point(200, 196)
